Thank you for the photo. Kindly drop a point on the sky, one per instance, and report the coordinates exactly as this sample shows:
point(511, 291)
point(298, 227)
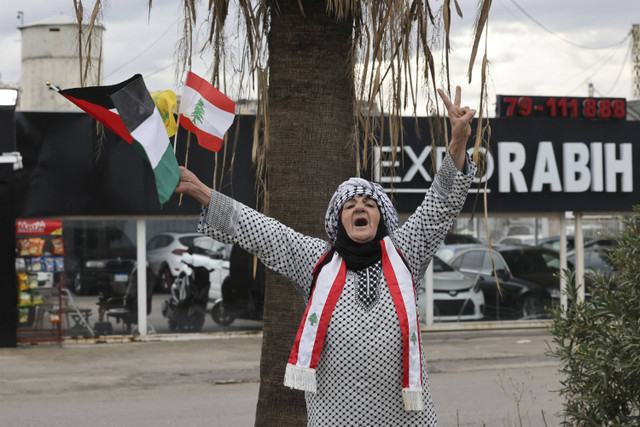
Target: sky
point(535, 47)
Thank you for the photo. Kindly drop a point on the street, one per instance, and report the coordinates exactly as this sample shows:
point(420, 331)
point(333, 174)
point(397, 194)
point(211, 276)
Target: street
point(490, 377)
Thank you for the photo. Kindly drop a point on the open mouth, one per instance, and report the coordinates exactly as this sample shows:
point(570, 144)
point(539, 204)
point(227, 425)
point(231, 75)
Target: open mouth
point(361, 222)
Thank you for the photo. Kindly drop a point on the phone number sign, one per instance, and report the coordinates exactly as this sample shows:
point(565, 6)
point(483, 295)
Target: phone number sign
point(513, 106)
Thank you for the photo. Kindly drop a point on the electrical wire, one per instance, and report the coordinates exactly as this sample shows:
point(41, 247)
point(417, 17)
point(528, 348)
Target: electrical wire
point(603, 60)
point(562, 38)
point(624, 62)
point(136, 56)
point(147, 75)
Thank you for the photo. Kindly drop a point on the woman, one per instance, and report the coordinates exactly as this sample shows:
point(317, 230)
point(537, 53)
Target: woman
point(357, 353)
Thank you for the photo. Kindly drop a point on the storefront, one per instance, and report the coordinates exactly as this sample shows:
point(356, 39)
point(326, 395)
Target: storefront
point(536, 170)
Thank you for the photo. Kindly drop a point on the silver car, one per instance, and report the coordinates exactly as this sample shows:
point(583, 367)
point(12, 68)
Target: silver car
point(164, 251)
point(456, 296)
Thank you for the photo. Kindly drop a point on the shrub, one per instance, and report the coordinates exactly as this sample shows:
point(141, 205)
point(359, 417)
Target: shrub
point(598, 341)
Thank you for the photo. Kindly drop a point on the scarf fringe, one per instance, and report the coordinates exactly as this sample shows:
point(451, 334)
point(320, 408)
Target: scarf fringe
point(412, 399)
point(300, 378)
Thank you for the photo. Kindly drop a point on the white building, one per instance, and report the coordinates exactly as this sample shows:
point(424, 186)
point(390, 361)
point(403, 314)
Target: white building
point(50, 53)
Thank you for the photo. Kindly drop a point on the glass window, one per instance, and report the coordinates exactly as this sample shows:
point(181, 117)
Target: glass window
point(188, 240)
point(487, 265)
point(161, 241)
point(551, 260)
point(439, 266)
point(445, 254)
point(470, 261)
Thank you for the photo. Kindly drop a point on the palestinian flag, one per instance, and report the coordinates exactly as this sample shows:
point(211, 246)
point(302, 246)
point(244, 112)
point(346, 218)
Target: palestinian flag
point(205, 111)
point(128, 110)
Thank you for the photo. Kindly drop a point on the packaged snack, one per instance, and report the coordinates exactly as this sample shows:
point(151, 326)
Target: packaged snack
point(23, 281)
point(59, 264)
point(36, 264)
point(37, 299)
point(25, 299)
point(36, 245)
point(54, 318)
point(21, 265)
point(57, 246)
point(33, 281)
point(23, 247)
point(23, 315)
point(49, 264)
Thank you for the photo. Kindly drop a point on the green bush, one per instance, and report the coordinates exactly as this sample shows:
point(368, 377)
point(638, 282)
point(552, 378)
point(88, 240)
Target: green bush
point(598, 341)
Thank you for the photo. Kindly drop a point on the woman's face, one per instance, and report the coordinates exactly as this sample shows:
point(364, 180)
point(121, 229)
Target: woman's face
point(360, 218)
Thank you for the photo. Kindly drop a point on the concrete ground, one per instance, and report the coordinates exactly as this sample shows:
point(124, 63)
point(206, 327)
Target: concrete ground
point(478, 378)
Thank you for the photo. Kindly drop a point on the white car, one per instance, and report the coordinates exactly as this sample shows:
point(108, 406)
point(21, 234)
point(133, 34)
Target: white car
point(456, 296)
point(164, 251)
point(518, 239)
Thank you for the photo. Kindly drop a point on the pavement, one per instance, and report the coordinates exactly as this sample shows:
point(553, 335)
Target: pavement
point(478, 378)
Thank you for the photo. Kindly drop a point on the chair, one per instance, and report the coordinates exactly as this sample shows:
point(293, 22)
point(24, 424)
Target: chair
point(77, 318)
point(125, 308)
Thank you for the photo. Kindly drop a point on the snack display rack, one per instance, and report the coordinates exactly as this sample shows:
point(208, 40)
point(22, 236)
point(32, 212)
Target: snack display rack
point(40, 279)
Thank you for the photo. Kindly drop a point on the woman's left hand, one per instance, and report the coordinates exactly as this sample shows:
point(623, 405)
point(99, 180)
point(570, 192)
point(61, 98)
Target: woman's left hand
point(460, 118)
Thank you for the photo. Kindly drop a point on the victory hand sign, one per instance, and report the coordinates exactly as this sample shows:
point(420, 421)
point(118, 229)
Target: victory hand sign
point(460, 118)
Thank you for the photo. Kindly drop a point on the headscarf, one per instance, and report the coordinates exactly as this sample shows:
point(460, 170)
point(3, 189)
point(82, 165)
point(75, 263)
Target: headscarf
point(355, 187)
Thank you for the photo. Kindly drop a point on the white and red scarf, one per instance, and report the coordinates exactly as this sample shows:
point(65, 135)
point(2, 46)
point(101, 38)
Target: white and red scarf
point(303, 361)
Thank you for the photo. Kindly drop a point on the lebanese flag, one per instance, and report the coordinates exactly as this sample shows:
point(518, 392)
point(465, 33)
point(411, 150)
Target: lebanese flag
point(206, 112)
point(128, 110)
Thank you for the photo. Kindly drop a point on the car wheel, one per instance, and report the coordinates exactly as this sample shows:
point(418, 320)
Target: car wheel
point(220, 315)
point(77, 285)
point(532, 306)
point(165, 280)
point(191, 319)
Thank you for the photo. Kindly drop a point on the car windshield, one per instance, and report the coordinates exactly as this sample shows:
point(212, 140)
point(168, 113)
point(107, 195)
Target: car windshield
point(527, 261)
point(119, 241)
point(598, 260)
point(439, 266)
point(445, 254)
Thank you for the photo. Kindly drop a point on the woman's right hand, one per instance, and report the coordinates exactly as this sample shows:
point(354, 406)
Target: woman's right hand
point(190, 185)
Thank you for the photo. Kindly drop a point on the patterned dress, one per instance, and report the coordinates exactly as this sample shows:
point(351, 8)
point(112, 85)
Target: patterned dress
point(359, 374)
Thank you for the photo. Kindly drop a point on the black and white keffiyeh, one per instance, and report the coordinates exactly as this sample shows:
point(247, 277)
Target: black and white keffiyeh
point(355, 187)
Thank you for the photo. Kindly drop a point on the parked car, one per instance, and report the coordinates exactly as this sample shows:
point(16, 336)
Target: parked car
point(164, 251)
point(535, 264)
point(456, 296)
point(553, 242)
point(596, 260)
point(518, 239)
point(520, 229)
point(520, 299)
point(457, 238)
point(448, 251)
point(98, 259)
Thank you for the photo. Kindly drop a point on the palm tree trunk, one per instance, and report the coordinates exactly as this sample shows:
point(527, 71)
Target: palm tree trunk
point(311, 123)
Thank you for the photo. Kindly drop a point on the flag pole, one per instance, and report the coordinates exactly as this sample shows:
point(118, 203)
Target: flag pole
point(186, 160)
point(52, 86)
point(175, 140)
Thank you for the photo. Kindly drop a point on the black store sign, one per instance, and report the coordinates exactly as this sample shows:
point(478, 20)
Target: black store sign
point(533, 165)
